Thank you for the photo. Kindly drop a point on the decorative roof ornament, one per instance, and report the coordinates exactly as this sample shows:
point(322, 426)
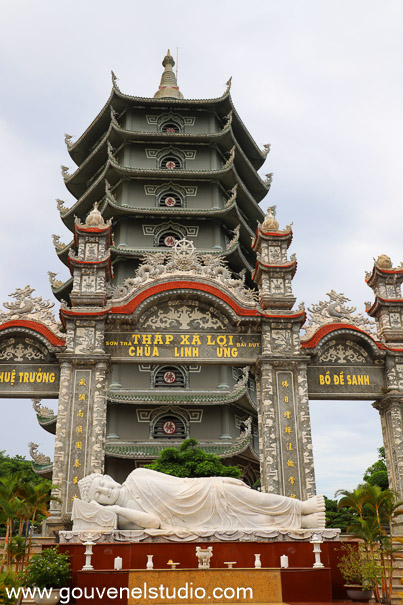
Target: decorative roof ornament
point(60, 206)
point(110, 150)
point(114, 81)
point(229, 119)
point(114, 115)
point(108, 191)
point(246, 428)
point(242, 275)
point(270, 223)
point(36, 456)
point(55, 283)
point(67, 140)
point(235, 238)
point(233, 195)
point(266, 149)
point(182, 259)
point(335, 311)
point(28, 307)
point(231, 158)
point(243, 378)
point(94, 219)
point(42, 411)
point(268, 181)
point(228, 83)
point(65, 172)
point(57, 243)
point(168, 88)
point(384, 262)
point(184, 255)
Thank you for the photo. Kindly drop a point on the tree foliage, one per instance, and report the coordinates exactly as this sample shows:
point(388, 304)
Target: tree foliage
point(17, 465)
point(375, 509)
point(189, 460)
point(377, 474)
point(24, 501)
point(341, 519)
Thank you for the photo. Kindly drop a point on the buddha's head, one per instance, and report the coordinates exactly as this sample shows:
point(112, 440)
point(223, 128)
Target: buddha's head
point(101, 488)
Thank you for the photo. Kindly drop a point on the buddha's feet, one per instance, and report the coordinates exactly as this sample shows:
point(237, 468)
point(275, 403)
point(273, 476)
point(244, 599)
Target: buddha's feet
point(313, 521)
point(313, 505)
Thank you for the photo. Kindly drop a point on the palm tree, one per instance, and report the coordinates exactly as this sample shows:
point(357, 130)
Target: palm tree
point(21, 502)
point(377, 509)
point(37, 498)
point(10, 509)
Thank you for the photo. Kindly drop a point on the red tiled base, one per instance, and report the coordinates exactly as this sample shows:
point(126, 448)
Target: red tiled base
point(300, 583)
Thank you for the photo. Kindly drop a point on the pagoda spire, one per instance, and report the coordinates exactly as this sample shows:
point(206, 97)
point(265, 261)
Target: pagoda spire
point(168, 87)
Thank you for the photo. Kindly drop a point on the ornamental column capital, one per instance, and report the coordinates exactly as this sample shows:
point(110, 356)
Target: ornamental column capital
point(392, 399)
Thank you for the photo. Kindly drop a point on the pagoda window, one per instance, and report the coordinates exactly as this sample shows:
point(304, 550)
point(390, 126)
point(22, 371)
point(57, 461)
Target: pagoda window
point(168, 239)
point(171, 377)
point(171, 162)
point(170, 199)
point(171, 127)
point(169, 426)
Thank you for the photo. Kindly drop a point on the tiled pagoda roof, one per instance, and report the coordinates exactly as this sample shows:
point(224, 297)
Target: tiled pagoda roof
point(119, 102)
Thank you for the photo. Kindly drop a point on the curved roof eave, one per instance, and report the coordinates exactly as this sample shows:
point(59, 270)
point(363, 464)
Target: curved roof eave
point(44, 470)
point(150, 450)
point(49, 424)
point(63, 292)
point(63, 253)
point(112, 209)
point(188, 397)
point(76, 182)
point(225, 170)
point(79, 150)
point(97, 193)
point(227, 133)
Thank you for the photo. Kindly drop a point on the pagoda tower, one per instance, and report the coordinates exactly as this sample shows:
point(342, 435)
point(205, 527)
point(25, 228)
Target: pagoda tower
point(156, 178)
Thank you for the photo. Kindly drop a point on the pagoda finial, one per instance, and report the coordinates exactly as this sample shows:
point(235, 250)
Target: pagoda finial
point(95, 218)
point(168, 88)
point(270, 223)
point(384, 262)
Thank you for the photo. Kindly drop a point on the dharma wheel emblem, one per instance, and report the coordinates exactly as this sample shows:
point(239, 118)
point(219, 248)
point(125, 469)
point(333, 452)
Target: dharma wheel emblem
point(169, 377)
point(170, 202)
point(169, 427)
point(184, 247)
point(170, 165)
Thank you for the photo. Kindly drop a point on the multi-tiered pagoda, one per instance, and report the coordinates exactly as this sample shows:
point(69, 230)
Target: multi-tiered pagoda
point(158, 177)
point(173, 325)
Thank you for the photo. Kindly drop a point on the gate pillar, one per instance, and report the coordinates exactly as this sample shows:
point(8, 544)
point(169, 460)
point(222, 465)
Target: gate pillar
point(287, 466)
point(283, 407)
point(387, 310)
point(80, 428)
point(390, 409)
point(81, 419)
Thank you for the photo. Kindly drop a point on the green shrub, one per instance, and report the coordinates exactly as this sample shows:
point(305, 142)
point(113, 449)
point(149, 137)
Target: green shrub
point(48, 569)
point(8, 579)
point(358, 567)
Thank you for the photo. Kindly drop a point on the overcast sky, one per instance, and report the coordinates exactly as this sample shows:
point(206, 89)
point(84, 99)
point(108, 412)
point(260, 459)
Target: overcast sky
point(319, 80)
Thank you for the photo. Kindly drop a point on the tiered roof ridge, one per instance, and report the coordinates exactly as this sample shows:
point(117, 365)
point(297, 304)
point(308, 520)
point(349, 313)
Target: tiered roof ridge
point(100, 154)
point(118, 101)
